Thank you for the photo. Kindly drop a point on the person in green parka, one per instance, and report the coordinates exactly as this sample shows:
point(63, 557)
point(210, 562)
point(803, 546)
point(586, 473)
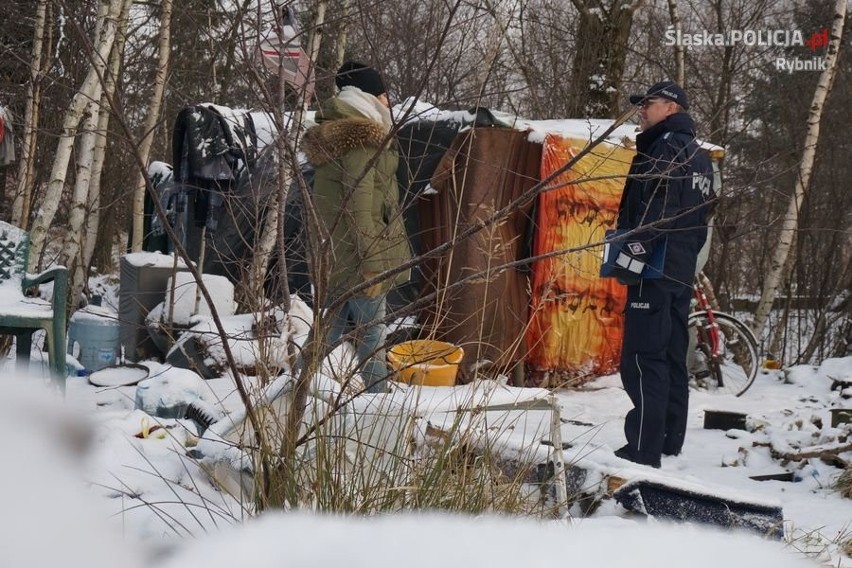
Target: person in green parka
point(357, 201)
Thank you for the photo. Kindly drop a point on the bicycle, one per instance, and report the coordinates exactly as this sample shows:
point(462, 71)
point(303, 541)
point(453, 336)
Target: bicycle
point(723, 355)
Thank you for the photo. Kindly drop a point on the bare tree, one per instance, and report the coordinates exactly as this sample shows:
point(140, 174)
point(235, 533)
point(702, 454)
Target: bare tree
point(108, 18)
point(678, 48)
point(85, 187)
point(340, 41)
point(791, 219)
point(93, 219)
point(152, 119)
point(26, 166)
point(600, 51)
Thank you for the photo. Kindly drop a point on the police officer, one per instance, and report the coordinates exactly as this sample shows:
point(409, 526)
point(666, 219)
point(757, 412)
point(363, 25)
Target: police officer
point(663, 205)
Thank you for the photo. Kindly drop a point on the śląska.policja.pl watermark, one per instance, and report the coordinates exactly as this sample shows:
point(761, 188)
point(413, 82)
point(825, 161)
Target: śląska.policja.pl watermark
point(759, 38)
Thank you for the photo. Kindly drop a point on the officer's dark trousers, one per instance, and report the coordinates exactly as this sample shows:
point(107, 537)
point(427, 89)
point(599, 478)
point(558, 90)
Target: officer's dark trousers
point(653, 368)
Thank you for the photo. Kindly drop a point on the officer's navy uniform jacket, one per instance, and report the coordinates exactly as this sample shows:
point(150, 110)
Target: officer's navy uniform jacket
point(664, 199)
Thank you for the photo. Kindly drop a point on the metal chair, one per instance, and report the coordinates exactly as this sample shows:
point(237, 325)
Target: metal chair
point(21, 314)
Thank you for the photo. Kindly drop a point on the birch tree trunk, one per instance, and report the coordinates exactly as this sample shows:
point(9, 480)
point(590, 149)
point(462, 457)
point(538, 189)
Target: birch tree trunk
point(791, 219)
point(776, 344)
point(290, 131)
point(87, 179)
point(151, 120)
point(26, 167)
point(93, 217)
point(342, 32)
point(108, 12)
point(678, 48)
point(93, 221)
point(73, 244)
point(286, 162)
point(93, 206)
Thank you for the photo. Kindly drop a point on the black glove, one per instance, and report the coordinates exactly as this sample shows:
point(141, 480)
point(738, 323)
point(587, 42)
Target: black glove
point(626, 278)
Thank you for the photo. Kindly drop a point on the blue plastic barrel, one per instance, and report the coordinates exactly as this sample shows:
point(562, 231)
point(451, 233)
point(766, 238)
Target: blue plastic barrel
point(93, 337)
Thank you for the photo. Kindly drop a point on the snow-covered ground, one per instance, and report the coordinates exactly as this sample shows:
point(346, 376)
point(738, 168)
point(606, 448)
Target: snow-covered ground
point(98, 481)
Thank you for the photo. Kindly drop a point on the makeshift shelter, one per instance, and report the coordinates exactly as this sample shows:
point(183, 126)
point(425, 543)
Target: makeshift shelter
point(478, 304)
point(521, 293)
point(211, 146)
point(239, 228)
point(219, 192)
point(576, 317)
point(557, 316)
point(422, 146)
point(230, 194)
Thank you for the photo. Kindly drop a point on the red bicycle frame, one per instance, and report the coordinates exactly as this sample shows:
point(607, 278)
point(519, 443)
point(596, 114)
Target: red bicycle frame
point(712, 330)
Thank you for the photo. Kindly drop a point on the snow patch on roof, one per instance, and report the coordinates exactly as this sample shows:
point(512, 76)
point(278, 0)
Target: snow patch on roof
point(413, 110)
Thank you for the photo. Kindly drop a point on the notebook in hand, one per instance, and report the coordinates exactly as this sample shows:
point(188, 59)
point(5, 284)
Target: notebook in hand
point(613, 256)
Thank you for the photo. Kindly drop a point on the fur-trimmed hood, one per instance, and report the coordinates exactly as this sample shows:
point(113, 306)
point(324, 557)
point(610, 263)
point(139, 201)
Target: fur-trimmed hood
point(332, 139)
point(355, 190)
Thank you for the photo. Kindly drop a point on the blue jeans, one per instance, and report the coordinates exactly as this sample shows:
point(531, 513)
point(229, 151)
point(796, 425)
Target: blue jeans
point(361, 316)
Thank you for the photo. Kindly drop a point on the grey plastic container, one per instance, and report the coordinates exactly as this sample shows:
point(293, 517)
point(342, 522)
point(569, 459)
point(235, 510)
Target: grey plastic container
point(144, 279)
point(93, 338)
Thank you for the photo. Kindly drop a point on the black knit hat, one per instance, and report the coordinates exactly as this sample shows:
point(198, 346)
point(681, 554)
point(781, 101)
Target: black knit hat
point(359, 75)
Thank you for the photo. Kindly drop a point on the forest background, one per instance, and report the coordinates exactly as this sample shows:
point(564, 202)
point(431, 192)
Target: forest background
point(534, 58)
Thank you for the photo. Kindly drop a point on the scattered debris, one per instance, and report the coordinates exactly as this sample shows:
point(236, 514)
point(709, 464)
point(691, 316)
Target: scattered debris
point(663, 501)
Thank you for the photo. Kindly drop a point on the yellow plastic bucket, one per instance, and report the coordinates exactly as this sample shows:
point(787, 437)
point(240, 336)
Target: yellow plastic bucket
point(426, 362)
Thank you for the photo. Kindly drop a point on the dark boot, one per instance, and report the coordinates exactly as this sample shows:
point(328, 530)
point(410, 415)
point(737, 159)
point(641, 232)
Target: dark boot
point(627, 453)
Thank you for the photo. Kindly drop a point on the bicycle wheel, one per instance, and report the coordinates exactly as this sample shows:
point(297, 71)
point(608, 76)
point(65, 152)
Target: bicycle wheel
point(734, 368)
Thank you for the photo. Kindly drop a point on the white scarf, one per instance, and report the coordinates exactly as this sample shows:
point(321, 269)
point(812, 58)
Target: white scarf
point(366, 104)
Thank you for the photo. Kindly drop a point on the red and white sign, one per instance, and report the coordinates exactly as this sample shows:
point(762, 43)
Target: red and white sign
point(282, 53)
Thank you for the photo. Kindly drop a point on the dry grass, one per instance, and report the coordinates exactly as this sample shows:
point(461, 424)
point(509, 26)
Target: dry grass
point(844, 486)
point(5, 345)
point(384, 457)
